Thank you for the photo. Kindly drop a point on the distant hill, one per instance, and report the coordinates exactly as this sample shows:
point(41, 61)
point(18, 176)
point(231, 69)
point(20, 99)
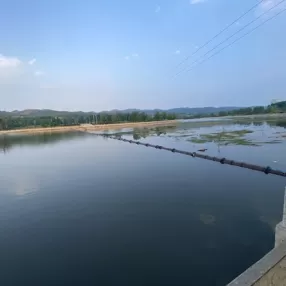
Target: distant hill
point(180, 110)
point(201, 110)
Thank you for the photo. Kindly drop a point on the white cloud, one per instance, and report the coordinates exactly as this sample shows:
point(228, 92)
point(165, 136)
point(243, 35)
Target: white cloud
point(158, 9)
point(192, 2)
point(9, 62)
point(134, 55)
point(39, 73)
point(268, 4)
point(177, 52)
point(31, 62)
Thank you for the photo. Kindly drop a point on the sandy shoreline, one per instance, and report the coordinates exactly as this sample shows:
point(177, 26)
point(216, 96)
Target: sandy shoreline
point(89, 127)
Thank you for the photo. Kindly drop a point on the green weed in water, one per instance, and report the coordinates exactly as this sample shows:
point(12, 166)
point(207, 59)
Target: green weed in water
point(198, 140)
point(225, 138)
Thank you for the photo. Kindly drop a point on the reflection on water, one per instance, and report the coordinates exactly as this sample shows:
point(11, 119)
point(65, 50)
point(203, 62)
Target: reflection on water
point(7, 142)
point(184, 129)
point(77, 209)
point(25, 184)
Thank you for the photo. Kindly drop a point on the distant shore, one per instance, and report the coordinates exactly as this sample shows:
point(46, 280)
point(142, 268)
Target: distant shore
point(90, 127)
point(148, 124)
point(259, 116)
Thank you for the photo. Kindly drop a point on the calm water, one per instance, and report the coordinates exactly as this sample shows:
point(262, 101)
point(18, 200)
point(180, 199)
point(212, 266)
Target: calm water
point(76, 209)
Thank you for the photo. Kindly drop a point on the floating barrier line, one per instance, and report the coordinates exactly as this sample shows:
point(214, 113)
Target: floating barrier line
point(265, 170)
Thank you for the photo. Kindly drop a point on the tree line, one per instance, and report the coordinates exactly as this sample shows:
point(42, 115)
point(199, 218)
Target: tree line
point(18, 122)
point(279, 107)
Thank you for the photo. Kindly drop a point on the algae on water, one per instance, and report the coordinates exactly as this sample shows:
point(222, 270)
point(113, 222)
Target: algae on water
point(225, 138)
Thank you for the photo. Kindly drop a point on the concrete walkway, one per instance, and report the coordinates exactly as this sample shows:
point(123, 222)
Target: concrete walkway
point(269, 271)
point(275, 276)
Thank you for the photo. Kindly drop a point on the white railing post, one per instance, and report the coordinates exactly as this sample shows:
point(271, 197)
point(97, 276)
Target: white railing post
point(280, 231)
point(284, 210)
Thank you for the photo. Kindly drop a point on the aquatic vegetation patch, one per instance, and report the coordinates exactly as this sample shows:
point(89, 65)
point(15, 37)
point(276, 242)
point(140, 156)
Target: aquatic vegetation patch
point(225, 138)
point(270, 142)
point(207, 219)
point(197, 140)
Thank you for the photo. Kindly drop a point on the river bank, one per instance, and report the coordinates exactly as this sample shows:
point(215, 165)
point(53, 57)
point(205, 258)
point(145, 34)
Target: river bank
point(116, 126)
point(267, 116)
point(90, 127)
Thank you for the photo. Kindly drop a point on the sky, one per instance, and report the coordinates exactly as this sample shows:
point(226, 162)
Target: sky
point(95, 55)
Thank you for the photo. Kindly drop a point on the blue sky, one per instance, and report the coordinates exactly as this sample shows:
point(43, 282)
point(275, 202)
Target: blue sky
point(100, 55)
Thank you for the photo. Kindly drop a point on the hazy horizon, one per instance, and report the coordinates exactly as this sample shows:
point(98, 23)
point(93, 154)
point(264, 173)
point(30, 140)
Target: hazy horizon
point(75, 110)
point(107, 55)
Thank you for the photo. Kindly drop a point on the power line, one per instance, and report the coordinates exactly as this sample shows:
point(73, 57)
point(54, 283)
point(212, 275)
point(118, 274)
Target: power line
point(231, 36)
point(244, 35)
point(219, 33)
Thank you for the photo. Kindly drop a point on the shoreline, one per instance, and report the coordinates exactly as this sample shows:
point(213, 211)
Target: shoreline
point(148, 124)
point(258, 116)
point(90, 127)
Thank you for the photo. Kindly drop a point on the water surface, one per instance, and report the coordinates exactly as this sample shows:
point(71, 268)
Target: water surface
point(76, 209)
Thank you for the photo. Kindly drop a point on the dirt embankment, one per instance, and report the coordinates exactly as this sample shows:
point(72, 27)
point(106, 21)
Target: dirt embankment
point(90, 127)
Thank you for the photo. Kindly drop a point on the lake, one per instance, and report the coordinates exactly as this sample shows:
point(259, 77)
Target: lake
point(79, 209)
